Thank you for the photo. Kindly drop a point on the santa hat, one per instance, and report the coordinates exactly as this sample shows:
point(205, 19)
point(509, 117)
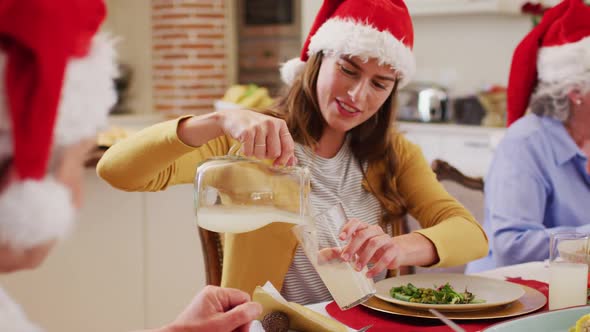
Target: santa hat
point(380, 29)
point(556, 51)
point(56, 88)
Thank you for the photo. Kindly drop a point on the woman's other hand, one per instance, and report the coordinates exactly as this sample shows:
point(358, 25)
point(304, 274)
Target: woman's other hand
point(262, 136)
point(370, 244)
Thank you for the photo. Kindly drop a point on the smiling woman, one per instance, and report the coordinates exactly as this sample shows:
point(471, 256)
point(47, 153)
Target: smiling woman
point(336, 118)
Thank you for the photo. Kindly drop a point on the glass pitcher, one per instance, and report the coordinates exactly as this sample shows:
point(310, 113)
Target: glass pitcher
point(234, 194)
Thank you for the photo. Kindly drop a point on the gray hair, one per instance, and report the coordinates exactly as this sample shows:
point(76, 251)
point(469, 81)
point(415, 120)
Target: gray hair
point(551, 99)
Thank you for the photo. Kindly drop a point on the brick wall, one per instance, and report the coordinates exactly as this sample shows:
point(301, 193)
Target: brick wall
point(189, 56)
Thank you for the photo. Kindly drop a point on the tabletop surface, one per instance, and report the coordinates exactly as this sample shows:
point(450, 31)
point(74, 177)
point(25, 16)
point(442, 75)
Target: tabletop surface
point(533, 270)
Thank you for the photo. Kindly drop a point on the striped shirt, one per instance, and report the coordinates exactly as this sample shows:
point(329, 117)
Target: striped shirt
point(334, 180)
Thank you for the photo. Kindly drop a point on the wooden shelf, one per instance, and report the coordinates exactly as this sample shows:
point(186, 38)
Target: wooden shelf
point(262, 48)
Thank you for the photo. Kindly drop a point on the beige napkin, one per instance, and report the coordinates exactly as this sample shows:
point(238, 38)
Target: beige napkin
point(300, 317)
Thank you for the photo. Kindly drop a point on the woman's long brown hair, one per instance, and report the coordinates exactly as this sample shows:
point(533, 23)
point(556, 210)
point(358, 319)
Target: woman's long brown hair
point(369, 142)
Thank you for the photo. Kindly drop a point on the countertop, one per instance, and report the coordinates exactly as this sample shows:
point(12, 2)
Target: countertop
point(138, 121)
point(135, 122)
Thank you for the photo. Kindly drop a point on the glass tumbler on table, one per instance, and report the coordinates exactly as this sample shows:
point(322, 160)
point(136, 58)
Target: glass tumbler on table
point(322, 246)
point(568, 270)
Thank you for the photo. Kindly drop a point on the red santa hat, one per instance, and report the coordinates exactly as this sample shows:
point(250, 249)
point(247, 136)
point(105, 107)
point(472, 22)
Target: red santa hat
point(380, 29)
point(556, 51)
point(56, 88)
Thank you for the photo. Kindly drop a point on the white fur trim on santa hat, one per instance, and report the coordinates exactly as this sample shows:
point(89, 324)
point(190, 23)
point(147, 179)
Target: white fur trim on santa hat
point(34, 212)
point(12, 317)
point(564, 63)
point(88, 92)
point(349, 37)
point(290, 70)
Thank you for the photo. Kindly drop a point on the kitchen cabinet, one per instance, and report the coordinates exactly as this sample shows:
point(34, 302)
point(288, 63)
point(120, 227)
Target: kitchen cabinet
point(174, 268)
point(269, 33)
point(469, 148)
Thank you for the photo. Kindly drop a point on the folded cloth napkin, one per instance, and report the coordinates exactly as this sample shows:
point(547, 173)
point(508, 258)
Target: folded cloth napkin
point(360, 316)
point(300, 317)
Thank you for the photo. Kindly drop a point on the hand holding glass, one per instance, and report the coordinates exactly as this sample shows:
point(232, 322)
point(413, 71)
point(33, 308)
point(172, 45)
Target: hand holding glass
point(322, 246)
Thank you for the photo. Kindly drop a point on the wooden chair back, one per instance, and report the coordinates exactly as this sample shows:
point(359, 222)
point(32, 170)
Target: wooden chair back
point(213, 255)
point(467, 190)
point(444, 171)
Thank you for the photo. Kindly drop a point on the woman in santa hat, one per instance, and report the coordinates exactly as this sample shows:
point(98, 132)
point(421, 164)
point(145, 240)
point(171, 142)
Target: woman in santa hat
point(539, 180)
point(337, 119)
point(56, 90)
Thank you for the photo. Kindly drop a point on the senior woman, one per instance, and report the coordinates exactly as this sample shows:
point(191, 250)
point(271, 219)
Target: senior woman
point(539, 181)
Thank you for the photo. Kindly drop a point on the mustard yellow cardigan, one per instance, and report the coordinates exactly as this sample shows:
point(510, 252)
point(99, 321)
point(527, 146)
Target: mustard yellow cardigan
point(156, 158)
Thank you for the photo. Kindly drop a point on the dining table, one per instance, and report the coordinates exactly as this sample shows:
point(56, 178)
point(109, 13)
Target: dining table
point(531, 273)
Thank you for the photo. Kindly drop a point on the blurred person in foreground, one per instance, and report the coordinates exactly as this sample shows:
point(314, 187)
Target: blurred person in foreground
point(55, 91)
point(539, 180)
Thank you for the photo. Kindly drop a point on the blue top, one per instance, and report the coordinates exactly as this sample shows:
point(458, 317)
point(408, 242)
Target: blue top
point(537, 185)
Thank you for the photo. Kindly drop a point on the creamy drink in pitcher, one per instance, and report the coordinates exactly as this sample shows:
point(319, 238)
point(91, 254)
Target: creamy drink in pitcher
point(240, 219)
point(237, 195)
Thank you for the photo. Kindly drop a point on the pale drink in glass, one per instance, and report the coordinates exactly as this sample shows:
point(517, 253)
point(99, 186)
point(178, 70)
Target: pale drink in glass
point(568, 280)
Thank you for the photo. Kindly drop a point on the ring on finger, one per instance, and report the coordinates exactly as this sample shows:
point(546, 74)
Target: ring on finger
point(259, 145)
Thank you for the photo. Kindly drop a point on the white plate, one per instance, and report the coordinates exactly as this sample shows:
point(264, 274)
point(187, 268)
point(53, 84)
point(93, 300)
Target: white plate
point(494, 292)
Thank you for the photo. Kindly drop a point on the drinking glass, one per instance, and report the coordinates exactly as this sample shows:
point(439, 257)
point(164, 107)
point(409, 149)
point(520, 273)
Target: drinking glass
point(568, 270)
point(322, 246)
